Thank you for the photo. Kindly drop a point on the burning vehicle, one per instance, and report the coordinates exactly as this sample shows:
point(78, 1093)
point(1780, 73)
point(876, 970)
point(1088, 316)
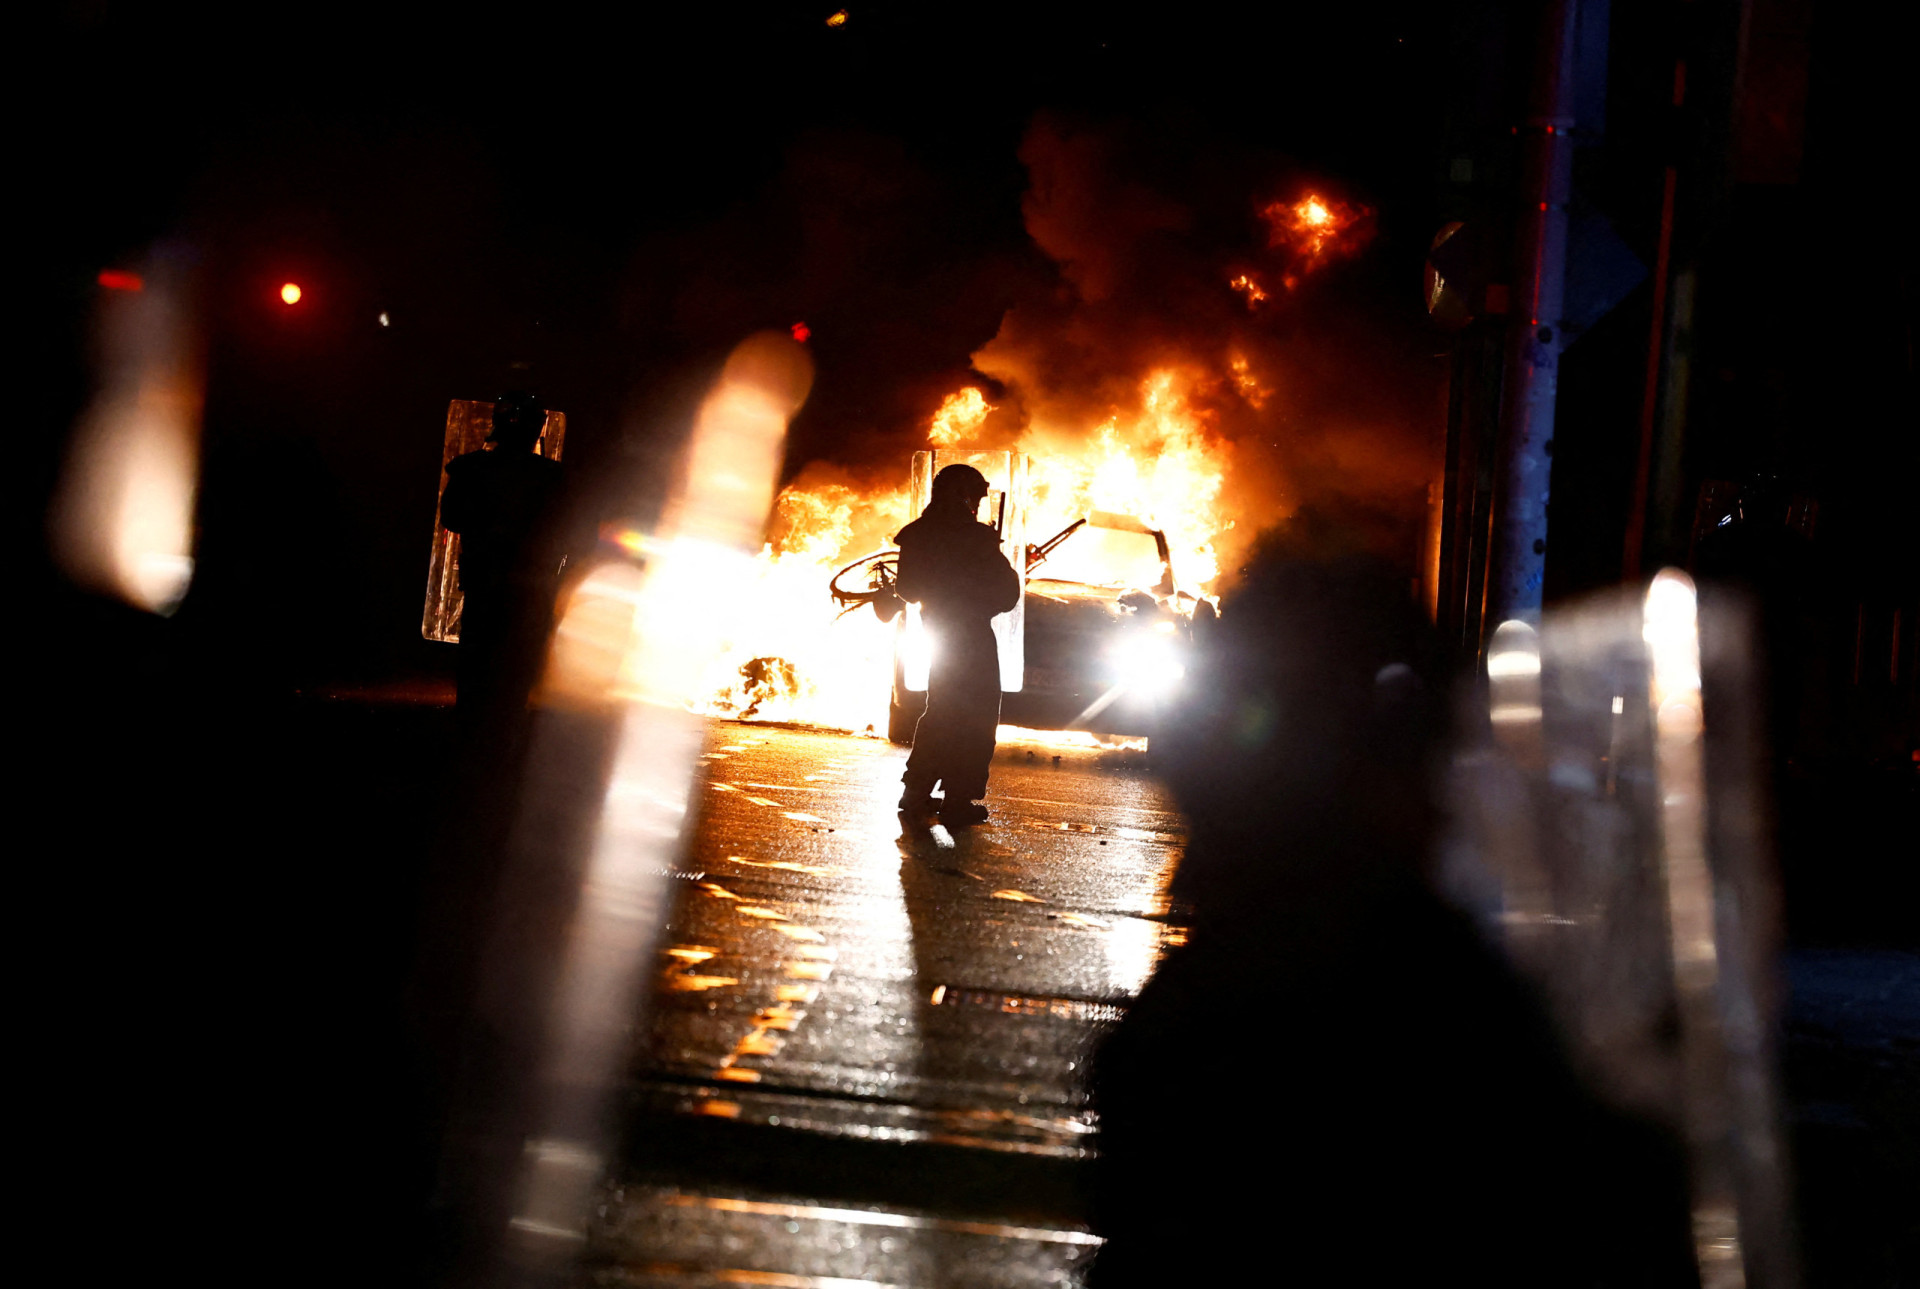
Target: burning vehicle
point(1100, 640)
point(1108, 629)
point(1131, 455)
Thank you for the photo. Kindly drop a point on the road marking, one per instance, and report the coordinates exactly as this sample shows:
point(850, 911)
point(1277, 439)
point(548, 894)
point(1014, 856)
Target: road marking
point(691, 952)
point(1076, 919)
point(681, 982)
point(779, 1016)
point(869, 1217)
point(784, 864)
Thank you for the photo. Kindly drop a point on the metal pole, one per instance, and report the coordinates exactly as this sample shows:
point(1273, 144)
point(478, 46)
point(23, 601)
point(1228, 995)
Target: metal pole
point(1630, 559)
point(1535, 337)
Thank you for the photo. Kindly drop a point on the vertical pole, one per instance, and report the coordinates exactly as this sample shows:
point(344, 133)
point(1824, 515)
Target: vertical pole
point(1656, 349)
point(1519, 554)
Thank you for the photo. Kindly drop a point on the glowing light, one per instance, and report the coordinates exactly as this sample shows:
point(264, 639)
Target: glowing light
point(385, 321)
point(837, 19)
point(1513, 662)
point(122, 520)
point(1671, 631)
point(119, 280)
point(631, 540)
point(1148, 664)
point(802, 332)
point(1314, 225)
point(1082, 740)
point(290, 292)
point(959, 419)
point(1513, 687)
point(916, 651)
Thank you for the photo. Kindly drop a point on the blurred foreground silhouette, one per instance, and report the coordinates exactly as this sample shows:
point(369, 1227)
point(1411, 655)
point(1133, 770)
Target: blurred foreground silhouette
point(505, 503)
point(1338, 1075)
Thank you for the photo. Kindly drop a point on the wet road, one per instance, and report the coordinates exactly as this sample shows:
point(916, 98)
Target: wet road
point(868, 1044)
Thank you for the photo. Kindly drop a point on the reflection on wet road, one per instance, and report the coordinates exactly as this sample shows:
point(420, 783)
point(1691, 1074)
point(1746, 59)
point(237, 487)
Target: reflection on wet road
point(849, 1008)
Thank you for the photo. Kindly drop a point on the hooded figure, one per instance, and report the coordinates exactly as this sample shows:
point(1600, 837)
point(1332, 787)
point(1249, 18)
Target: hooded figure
point(951, 566)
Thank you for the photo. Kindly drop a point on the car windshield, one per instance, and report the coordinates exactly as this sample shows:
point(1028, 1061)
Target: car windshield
point(1104, 557)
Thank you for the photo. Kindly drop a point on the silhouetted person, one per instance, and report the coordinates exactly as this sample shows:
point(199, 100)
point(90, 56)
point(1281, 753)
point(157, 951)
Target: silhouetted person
point(951, 566)
point(504, 501)
point(1335, 1081)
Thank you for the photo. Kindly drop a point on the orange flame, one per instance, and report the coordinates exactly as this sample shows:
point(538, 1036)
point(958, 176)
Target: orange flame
point(1249, 286)
point(1313, 225)
point(790, 657)
point(959, 419)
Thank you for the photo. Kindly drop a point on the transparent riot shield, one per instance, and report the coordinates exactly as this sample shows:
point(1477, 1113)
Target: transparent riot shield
point(469, 422)
point(1005, 508)
point(1608, 832)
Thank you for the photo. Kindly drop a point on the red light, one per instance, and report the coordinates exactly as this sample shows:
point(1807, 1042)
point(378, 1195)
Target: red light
point(117, 280)
point(801, 332)
point(290, 293)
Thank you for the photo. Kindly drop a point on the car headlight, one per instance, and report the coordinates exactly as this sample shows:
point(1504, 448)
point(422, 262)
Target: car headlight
point(1148, 663)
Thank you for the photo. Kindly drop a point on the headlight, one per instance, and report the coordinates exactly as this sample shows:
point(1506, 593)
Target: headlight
point(1148, 663)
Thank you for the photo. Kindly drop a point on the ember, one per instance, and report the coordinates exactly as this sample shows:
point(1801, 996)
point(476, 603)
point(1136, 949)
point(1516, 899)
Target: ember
point(1250, 287)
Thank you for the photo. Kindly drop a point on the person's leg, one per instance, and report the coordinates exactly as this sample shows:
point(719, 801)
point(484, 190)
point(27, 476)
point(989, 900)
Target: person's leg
point(973, 715)
point(972, 742)
point(924, 761)
point(927, 763)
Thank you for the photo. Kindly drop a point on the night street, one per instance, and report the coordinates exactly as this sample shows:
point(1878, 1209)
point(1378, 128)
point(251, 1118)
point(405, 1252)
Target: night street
point(935, 646)
point(833, 980)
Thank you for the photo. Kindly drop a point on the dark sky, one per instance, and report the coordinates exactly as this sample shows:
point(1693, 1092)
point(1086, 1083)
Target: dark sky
point(499, 181)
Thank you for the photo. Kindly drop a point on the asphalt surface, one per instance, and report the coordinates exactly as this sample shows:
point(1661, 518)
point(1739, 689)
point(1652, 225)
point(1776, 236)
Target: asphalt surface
point(868, 1045)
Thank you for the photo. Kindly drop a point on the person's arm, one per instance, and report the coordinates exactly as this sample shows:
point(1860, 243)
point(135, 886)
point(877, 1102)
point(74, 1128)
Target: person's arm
point(992, 584)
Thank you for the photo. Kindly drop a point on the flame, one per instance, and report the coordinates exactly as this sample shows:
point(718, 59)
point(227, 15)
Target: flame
point(789, 656)
point(1247, 383)
point(1156, 462)
point(1315, 225)
point(1152, 444)
point(959, 419)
